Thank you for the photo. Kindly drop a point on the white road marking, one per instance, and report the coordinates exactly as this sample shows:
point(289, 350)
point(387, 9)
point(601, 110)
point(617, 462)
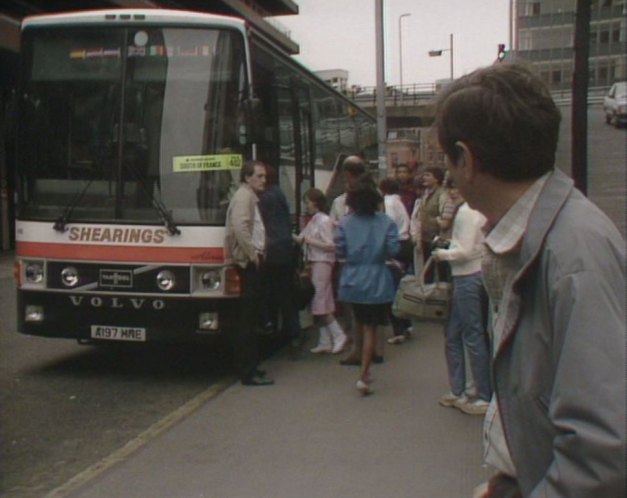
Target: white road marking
point(142, 439)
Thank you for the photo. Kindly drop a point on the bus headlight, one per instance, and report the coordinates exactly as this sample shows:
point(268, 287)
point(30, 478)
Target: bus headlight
point(207, 280)
point(211, 280)
point(33, 272)
point(165, 280)
point(69, 276)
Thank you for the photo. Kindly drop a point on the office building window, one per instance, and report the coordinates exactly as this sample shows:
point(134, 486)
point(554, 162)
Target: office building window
point(535, 7)
point(616, 35)
point(531, 9)
point(604, 37)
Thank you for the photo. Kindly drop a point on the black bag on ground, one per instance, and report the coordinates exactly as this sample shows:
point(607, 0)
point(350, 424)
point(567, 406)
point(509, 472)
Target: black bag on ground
point(304, 289)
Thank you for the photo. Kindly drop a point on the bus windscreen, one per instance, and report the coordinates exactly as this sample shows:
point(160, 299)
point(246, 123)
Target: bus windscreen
point(135, 125)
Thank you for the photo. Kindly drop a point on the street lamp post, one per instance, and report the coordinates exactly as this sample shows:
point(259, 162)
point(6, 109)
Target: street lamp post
point(400, 49)
point(438, 53)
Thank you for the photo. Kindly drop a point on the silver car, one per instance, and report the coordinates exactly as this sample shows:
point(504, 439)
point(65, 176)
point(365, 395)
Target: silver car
point(615, 104)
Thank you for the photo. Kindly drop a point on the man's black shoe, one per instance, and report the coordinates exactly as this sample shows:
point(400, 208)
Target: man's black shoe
point(350, 362)
point(257, 372)
point(257, 380)
point(377, 358)
point(267, 329)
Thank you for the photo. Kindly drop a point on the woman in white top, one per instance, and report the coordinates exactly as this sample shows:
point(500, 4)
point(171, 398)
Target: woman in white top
point(395, 209)
point(320, 252)
point(465, 329)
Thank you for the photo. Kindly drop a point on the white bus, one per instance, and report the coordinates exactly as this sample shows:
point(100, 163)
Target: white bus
point(132, 127)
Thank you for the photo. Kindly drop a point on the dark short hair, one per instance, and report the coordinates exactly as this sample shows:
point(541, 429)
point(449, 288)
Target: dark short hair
point(401, 166)
point(272, 175)
point(317, 197)
point(363, 197)
point(389, 186)
point(505, 115)
point(354, 166)
point(438, 173)
point(249, 169)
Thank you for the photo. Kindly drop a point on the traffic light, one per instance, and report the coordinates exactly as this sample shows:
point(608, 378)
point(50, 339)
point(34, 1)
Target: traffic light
point(501, 53)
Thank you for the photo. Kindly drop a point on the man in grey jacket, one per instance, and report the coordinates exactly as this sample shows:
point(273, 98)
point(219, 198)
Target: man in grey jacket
point(244, 246)
point(554, 270)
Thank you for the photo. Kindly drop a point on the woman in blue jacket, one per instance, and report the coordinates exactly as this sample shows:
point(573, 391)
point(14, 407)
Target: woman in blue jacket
point(365, 239)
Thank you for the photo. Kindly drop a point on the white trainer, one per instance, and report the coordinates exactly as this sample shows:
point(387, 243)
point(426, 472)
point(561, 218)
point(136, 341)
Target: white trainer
point(363, 388)
point(320, 349)
point(397, 339)
point(324, 342)
point(476, 407)
point(450, 399)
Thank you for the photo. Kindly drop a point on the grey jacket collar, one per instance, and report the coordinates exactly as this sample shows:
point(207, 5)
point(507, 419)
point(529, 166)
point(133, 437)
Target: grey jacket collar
point(554, 195)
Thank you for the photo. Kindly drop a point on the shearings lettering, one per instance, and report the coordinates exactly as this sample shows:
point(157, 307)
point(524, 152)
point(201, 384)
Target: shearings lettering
point(120, 235)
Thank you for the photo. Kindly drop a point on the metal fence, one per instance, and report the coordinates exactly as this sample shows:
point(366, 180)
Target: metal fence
point(423, 93)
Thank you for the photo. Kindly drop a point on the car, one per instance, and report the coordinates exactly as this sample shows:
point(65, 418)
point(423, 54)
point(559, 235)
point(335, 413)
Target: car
point(615, 104)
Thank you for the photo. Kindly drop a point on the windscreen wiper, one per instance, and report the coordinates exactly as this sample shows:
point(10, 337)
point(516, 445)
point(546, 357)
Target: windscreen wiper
point(61, 221)
point(158, 204)
point(165, 215)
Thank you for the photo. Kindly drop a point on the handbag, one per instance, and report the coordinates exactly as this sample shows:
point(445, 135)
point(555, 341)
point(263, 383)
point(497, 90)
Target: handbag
point(304, 289)
point(416, 300)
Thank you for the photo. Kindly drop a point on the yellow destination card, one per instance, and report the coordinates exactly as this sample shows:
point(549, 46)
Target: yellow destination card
point(184, 164)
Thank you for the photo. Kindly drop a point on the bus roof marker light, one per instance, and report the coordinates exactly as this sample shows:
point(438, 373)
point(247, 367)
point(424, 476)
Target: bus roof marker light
point(140, 38)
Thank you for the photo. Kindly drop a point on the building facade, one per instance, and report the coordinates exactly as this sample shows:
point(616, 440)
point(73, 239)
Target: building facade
point(545, 31)
point(337, 78)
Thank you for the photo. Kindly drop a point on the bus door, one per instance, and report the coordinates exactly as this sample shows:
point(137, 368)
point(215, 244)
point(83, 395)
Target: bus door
point(303, 143)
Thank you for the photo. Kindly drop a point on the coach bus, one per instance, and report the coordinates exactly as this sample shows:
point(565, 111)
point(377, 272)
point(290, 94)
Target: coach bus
point(132, 128)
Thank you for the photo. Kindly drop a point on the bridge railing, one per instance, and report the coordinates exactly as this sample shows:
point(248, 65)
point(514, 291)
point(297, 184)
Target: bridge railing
point(422, 93)
point(595, 95)
point(414, 94)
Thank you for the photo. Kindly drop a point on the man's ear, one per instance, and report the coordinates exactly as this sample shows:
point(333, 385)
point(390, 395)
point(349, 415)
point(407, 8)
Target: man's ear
point(466, 161)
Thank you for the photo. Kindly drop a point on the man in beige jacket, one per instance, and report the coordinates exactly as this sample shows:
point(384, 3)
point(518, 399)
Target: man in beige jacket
point(244, 246)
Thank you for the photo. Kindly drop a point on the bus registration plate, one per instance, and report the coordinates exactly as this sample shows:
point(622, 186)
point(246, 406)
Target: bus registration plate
point(112, 333)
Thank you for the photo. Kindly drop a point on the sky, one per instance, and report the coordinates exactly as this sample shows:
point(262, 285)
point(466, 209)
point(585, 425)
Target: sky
point(340, 34)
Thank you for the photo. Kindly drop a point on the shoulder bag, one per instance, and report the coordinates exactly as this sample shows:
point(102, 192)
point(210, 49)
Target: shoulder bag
point(304, 289)
point(416, 300)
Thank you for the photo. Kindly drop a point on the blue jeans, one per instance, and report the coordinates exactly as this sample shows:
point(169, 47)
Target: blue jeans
point(466, 329)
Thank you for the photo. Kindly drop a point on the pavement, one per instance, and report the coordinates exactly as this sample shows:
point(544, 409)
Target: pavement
point(310, 435)
point(6, 263)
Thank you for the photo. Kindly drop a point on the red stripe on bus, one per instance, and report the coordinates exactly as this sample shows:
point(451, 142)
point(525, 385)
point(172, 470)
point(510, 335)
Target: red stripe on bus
point(120, 253)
